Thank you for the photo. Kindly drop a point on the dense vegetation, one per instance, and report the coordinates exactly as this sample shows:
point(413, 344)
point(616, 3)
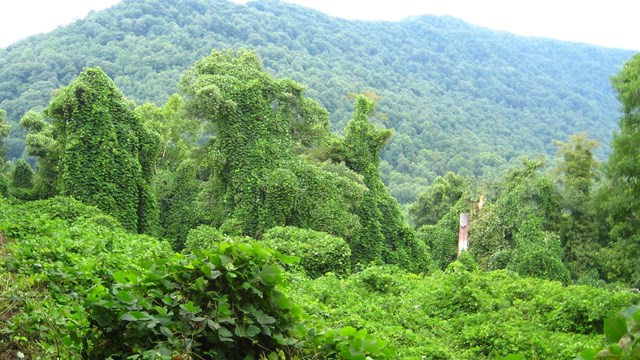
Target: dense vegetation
point(230, 222)
point(461, 98)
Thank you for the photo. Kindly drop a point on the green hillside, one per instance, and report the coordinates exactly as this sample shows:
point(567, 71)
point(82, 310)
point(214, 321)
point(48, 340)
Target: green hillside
point(460, 97)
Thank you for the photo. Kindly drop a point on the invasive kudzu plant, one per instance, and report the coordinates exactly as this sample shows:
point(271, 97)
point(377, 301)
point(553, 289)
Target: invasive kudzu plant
point(257, 181)
point(105, 155)
point(226, 302)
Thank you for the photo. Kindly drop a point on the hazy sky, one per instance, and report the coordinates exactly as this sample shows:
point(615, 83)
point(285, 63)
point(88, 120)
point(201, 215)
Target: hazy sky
point(612, 23)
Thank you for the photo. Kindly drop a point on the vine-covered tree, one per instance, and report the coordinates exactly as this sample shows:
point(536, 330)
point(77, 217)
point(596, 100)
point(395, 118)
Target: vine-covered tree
point(578, 227)
point(385, 235)
point(105, 154)
point(21, 185)
point(251, 114)
point(41, 144)
point(258, 181)
point(436, 200)
point(177, 193)
point(622, 191)
point(4, 132)
point(519, 230)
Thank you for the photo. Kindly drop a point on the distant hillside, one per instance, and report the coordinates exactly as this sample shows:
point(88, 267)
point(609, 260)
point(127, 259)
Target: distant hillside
point(460, 97)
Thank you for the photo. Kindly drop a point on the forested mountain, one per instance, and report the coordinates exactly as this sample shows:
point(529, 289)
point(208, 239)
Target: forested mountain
point(460, 97)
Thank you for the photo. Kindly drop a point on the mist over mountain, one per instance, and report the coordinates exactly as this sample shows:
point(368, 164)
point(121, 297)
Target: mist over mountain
point(460, 97)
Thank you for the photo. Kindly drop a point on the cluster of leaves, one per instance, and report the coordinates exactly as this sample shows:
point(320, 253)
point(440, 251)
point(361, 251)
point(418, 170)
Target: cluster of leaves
point(319, 252)
point(621, 332)
point(74, 284)
point(224, 303)
point(53, 253)
point(462, 314)
point(259, 180)
point(461, 98)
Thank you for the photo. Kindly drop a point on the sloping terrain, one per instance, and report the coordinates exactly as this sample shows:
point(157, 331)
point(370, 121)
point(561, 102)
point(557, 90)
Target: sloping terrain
point(460, 97)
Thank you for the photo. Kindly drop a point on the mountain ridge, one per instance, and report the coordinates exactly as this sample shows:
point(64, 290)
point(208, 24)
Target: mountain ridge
point(460, 97)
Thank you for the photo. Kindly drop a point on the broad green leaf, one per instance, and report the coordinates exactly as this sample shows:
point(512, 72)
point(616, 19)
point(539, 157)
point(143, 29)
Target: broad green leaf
point(614, 328)
point(587, 354)
point(264, 318)
point(166, 332)
point(268, 275)
point(347, 331)
point(124, 296)
point(191, 308)
point(120, 277)
point(253, 330)
point(288, 259)
point(224, 332)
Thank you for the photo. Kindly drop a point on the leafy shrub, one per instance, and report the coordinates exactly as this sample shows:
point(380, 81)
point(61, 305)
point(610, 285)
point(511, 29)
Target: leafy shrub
point(538, 253)
point(442, 243)
point(349, 343)
point(203, 237)
point(318, 251)
point(4, 185)
point(224, 303)
point(59, 249)
point(378, 278)
point(462, 314)
point(621, 332)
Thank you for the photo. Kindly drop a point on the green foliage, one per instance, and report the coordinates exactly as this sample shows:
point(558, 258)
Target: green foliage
point(519, 229)
point(251, 114)
point(436, 200)
point(177, 193)
point(319, 252)
point(621, 332)
point(442, 238)
point(384, 235)
point(203, 237)
point(579, 231)
point(538, 253)
point(52, 253)
point(621, 192)
point(4, 131)
point(178, 132)
point(21, 185)
point(350, 343)
point(441, 242)
point(105, 153)
point(461, 314)
point(461, 98)
point(257, 182)
point(4, 185)
point(40, 143)
point(223, 303)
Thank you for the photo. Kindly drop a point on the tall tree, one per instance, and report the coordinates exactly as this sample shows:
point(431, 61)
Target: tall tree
point(41, 144)
point(623, 171)
point(105, 154)
point(385, 235)
point(622, 190)
point(436, 200)
point(252, 115)
point(578, 227)
point(4, 132)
